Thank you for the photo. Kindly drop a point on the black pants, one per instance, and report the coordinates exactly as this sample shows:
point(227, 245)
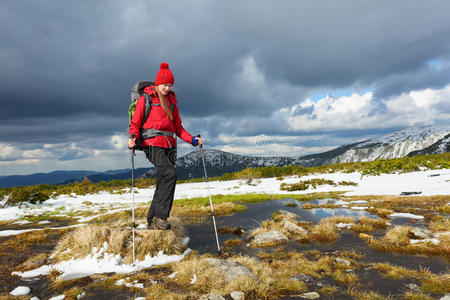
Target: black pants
point(164, 160)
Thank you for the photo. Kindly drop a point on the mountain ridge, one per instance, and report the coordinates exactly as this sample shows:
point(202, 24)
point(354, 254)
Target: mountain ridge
point(407, 142)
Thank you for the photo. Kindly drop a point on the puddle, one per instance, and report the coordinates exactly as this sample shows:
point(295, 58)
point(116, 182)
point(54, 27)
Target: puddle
point(203, 240)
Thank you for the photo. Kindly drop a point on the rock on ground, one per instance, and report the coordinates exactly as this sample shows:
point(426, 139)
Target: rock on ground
point(270, 238)
point(230, 269)
point(302, 277)
point(293, 228)
point(310, 295)
point(237, 295)
point(420, 233)
point(288, 214)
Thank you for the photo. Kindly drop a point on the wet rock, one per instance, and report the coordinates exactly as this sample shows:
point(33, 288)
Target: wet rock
point(230, 269)
point(293, 228)
point(237, 295)
point(346, 262)
point(212, 297)
point(302, 277)
point(287, 214)
point(420, 233)
point(310, 295)
point(270, 238)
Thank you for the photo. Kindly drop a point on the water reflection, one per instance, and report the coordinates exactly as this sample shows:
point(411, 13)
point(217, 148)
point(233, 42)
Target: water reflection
point(203, 238)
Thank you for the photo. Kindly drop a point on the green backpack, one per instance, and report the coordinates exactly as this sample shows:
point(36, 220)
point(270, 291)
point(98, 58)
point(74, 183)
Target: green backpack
point(136, 92)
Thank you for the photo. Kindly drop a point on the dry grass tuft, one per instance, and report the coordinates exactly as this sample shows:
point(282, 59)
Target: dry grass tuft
point(344, 277)
point(377, 223)
point(397, 236)
point(80, 242)
point(381, 212)
point(232, 243)
point(415, 296)
point(440, 224)
point(432, 283)
point(272, 278)
point(362, 228)
point(208, 277)
point(366, 295)
point(324, 231)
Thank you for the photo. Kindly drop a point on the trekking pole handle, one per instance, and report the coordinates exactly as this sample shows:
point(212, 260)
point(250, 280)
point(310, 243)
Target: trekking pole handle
point(201, 145)
point(135, 145)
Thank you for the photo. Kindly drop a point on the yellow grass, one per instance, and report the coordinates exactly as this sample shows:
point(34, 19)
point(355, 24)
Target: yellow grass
point(378, 223)
point(208, 277)
point(440, 224)
point(432, 283)
point(82, 241)
point(324, 231)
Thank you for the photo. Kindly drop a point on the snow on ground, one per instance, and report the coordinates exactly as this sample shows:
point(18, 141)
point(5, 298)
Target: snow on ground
point(20, 291)
point(100, 261)
point(16, 232)
point(406, 215)
point(106, 203)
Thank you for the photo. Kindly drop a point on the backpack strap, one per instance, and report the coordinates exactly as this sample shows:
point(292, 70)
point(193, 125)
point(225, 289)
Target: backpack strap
point(172, 106)
point(148, 107)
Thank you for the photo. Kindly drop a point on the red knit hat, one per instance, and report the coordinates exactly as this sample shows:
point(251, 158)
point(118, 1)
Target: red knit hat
point(164, 75)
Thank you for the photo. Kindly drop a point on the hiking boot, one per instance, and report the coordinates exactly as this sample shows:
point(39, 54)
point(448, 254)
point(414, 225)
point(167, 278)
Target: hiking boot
point(162, 224)
point(151, 225)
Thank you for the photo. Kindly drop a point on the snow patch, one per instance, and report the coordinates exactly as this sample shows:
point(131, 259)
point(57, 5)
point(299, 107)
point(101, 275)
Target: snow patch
point(406, 215)
point(98, 262)
point(20, 291)
point(434, 241)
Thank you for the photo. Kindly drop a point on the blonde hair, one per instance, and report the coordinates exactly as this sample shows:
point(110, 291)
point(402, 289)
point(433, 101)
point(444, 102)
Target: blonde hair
point(163, 99)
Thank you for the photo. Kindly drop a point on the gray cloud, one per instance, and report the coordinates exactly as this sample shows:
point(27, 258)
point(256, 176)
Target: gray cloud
point(67, 67)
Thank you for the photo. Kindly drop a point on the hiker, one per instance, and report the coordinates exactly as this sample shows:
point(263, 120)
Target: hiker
point(157, 137)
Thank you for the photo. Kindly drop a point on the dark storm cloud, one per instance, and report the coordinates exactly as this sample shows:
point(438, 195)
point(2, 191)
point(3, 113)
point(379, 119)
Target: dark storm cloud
point(67, 66)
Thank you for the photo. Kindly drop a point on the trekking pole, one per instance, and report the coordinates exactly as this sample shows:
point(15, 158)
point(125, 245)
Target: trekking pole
point(209, 193)
point(132, 192)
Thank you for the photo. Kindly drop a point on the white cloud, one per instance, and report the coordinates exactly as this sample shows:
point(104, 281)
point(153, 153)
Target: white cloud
point(7, 151)
point(360, 111)
point(119, 141)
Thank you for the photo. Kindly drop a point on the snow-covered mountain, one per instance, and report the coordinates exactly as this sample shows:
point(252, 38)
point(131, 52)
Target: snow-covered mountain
point(220, 162)
point(441, 146)
point(394, 145)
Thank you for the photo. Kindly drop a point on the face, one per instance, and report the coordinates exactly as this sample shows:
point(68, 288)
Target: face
point(165, 88)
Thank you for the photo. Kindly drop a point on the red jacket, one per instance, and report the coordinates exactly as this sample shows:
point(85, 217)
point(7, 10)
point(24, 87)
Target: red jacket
point(158, 119)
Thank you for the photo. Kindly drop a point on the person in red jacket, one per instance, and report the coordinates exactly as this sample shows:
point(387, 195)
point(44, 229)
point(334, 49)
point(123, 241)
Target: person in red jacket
point(158, 137)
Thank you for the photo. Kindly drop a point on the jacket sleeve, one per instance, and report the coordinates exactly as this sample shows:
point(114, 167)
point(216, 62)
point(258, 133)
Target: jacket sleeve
point(179, 129)
point(136, 121)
